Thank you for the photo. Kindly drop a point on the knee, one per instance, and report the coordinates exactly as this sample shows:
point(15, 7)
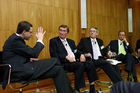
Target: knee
point(56, 60)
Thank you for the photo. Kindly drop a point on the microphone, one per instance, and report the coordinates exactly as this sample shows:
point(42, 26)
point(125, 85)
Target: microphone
point(95, 42)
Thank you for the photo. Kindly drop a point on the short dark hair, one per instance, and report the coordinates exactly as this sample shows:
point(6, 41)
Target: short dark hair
point(121, 31)
point(23, 25)
point(94, 28)
point(64, 26)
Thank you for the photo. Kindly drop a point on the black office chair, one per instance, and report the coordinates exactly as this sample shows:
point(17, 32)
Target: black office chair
point(5, 74)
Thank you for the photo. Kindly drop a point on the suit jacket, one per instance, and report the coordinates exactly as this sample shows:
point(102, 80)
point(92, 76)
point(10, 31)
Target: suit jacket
point(115, 48)
point(58, 50)
point(18, 54)
point(137, 45)
point(125, 87)
point(85, 46)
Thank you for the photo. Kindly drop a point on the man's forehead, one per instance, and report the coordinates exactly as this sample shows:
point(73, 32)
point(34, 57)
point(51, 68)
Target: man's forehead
point(122, 33)
point(63, 28)
point(92, 29)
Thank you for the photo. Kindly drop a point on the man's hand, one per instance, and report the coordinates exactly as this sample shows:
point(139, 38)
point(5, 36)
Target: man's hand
point(40, 33)
point(88, 55)
point(125, 40)
point(110, 54)
point(138, 50)
point(82, 58)
point(70, 59)
point(33, 59)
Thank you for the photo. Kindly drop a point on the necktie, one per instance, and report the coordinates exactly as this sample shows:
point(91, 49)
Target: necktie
point(95, 52)
point(68, 51)
point(122, 50)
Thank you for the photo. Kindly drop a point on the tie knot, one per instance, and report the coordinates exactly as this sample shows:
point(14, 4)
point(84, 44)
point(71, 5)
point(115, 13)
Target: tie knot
point(121, 43)
point(65, 42)
point(93, 41)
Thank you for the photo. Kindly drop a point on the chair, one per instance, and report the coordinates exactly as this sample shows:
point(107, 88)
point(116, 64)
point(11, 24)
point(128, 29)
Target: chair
point(5, 73)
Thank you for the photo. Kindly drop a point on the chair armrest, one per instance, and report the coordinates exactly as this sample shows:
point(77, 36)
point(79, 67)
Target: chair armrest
point(6, 74)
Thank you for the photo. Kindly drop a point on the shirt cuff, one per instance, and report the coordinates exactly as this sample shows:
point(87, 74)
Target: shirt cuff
point(40, 41)
point(127, 44)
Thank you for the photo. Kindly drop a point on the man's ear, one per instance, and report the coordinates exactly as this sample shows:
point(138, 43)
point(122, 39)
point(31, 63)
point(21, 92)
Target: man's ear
point(97, 33)
point(24, 31)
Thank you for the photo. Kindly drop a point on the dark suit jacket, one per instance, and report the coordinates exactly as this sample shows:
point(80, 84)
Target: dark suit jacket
point(17, 53)
point(85, 46)
point(125, 87)
point(58, 50)
point(137, 45)
point(114, 47)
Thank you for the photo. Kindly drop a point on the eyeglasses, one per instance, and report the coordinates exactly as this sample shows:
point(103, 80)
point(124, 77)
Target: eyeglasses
point(63, 30)
point(94, 31)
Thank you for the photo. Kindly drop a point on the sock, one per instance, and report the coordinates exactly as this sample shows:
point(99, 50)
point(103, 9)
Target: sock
point(92, 89)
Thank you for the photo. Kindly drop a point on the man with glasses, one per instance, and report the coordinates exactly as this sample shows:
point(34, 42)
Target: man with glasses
point(65, 50)
point(92, 48)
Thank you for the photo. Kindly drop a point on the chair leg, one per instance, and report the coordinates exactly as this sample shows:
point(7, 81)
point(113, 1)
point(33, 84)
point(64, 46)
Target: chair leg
point(20, 90)
point(37, 90)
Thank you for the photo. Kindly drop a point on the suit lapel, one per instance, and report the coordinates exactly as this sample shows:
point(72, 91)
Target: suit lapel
point(99, 43)
point(89, 44)
point(70, 44)
point(117, 46)
point(60, 44)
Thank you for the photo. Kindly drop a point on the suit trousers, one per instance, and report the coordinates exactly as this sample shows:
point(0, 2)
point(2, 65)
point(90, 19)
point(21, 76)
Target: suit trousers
point(91, 71)
point(78, 70)
point(108, 69)
point(129, 62)
point(62, 83)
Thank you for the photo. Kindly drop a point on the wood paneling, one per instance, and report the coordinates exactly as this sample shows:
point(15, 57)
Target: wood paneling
point(46, 13)
point(136, 22)
point(109, 16)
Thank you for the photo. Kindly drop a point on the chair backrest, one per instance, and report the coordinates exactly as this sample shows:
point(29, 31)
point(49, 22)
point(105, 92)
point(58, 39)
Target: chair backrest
point(1, 68)
point(0, 57)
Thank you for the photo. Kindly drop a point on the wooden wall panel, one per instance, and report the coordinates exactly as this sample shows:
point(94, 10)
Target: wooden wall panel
point(109, 16)
point(136, 22)
point(46, 13)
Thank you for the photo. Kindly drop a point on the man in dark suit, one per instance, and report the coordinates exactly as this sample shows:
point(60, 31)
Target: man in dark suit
point(24, 62)
point(65, 49)
point(93, 48)
point(138, 48)
point(124, 53)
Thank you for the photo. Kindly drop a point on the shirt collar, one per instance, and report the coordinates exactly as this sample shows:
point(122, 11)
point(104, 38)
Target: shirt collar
point(17, 34)
point(63, 40)
point(93, 39)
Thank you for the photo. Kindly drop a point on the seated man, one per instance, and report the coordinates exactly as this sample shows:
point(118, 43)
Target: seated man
point(65, 49)
point(25, 66)
point(124, 53)
point(138, 49)
point(92, 47)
